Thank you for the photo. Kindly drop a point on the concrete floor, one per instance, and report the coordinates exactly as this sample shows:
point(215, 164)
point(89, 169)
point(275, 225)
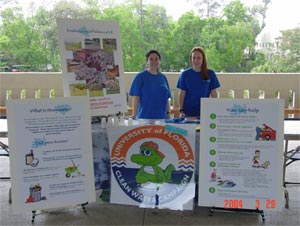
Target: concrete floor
point(109, 214)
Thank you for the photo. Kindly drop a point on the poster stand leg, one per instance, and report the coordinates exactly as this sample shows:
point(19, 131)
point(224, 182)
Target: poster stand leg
point(34, 214)
point(261, 212)
point(83, 206)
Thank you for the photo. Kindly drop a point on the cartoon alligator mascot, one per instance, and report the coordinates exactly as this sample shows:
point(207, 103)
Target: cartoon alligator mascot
point(149, 158)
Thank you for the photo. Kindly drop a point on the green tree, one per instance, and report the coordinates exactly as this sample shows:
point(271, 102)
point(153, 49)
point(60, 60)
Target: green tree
point(290, 50)
point(131, 40)
point(259, 12)
point(236, 39)
point(235, 12)
point(228, 39)
point(168, 48)
point(287, 57)
point(207, 8)
point(186, 35)
point(20, 39)
point(46, 25)
point(157, 32)
point(71, 10)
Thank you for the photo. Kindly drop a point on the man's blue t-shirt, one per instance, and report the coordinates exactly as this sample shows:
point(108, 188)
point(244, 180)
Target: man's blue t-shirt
point(195, 87)
point(154, 93)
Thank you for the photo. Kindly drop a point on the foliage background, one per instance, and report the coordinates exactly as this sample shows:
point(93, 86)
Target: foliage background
point(227, 33)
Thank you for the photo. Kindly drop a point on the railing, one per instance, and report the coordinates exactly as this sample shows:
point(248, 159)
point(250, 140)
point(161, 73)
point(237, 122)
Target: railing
point(233, 85)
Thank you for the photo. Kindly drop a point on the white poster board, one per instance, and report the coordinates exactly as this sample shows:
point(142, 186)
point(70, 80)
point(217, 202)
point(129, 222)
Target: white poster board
point(92, 65)
point(153, 166)
point(241, 153)
point(51, 160)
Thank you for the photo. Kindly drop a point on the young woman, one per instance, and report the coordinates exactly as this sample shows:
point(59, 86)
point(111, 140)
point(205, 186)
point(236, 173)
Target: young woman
point(150, 91)
point(195, 83)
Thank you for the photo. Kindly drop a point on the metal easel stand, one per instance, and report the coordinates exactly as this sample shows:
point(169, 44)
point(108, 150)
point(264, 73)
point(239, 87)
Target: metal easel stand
point(34, 214)
point(261, 212)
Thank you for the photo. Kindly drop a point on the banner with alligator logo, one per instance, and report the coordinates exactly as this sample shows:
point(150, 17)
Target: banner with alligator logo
point(153, 166)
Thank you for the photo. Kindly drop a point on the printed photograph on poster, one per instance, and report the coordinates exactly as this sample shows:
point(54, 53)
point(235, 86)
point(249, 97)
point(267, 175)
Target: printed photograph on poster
point(241, 154)
point(91, 58)
point(51, 159)
point(152, 166)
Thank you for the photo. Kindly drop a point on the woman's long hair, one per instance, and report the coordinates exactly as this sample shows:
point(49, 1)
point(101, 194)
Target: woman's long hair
point(204, 67)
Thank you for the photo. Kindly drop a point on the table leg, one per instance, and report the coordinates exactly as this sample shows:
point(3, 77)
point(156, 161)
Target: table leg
point(286, 193)
point(285, 160)
point(9, 196)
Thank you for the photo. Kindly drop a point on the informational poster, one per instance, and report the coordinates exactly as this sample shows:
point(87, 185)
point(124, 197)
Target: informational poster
point(92, 65)
point(153, 166)
point(241, 153)
point(51, 160)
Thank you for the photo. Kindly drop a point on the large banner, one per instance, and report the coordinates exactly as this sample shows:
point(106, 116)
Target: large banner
point(241, 153)
point(91, 60)
point(153, 166)
point(51, 160)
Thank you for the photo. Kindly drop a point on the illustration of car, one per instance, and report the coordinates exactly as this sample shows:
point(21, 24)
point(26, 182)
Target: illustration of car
point(267, 133)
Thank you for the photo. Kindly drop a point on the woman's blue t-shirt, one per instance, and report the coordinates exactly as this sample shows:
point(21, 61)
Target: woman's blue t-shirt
point(195, 88)
point(154, 93)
